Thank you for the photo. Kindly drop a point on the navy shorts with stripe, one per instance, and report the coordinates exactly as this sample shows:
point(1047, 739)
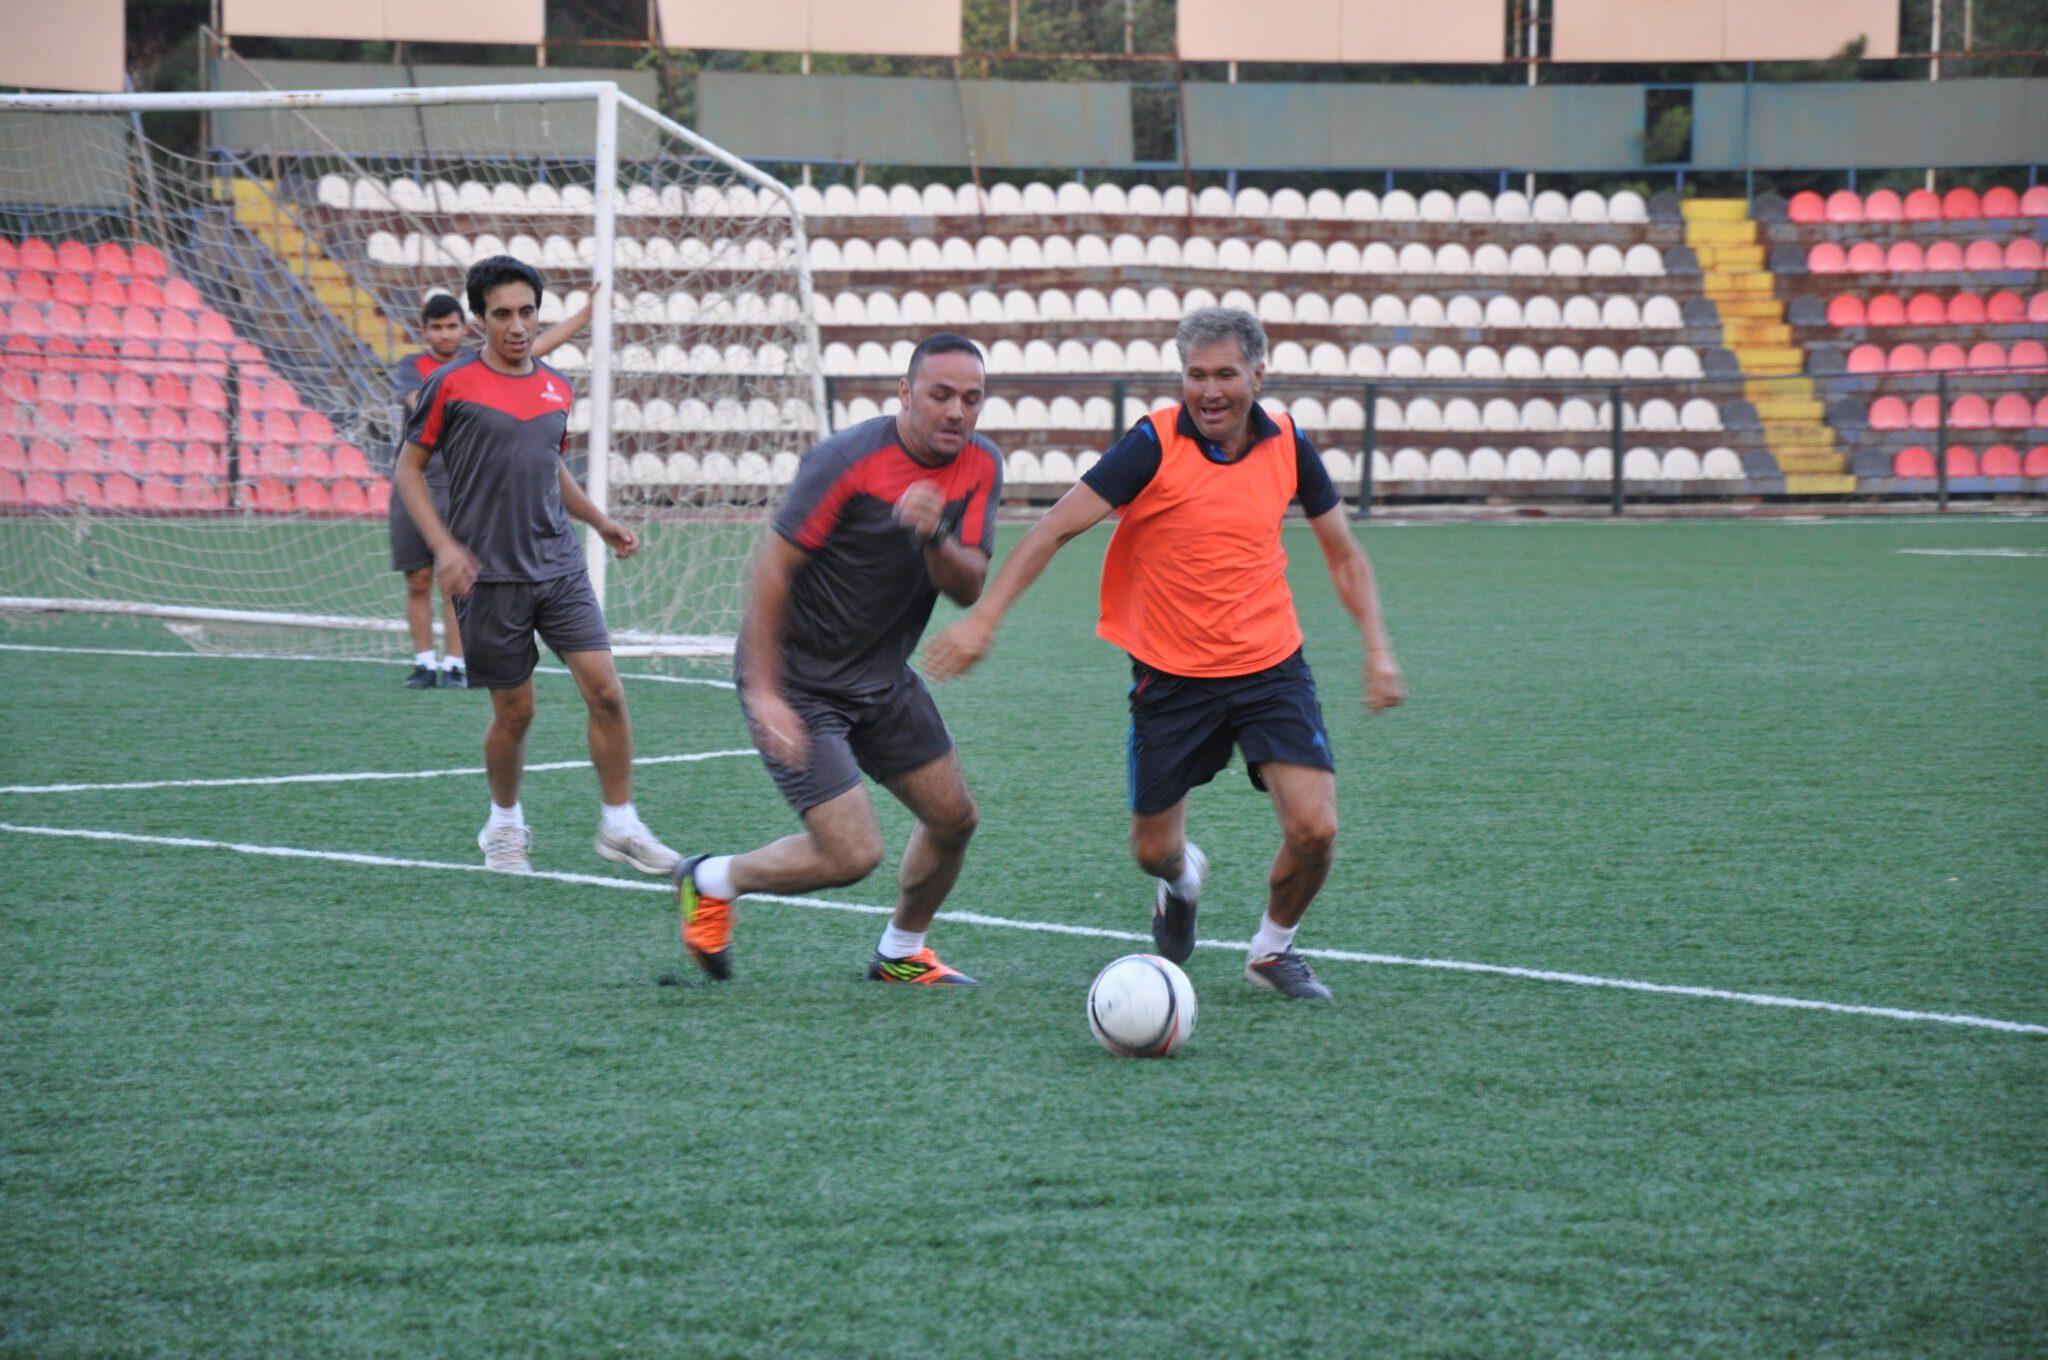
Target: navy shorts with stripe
point(1183, 728)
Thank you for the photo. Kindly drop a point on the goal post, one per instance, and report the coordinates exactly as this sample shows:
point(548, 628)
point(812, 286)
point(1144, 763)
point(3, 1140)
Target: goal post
point(197, 418)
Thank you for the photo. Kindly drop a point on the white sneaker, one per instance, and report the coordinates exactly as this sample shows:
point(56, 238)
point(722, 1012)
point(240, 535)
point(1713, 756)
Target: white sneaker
point(505, 848)
point(637, 847)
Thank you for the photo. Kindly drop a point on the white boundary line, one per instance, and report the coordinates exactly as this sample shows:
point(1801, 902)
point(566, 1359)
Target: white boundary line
point(1973, 552)
point(347, 777)
point(336, 660)
point(1058, 928)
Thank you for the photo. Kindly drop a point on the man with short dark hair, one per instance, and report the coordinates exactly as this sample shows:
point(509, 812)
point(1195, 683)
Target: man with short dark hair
point(499, 421)
point(442, 331)
point(883, 517)
point(1194, 587)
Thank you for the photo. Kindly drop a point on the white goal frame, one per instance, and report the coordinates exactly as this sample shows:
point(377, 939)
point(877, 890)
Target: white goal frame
point(609, 100)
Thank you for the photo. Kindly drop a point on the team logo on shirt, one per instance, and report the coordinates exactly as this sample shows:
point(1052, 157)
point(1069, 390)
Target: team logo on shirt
point(550, 392)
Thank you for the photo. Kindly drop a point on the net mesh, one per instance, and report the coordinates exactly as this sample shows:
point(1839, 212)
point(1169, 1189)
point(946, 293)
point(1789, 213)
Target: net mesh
point(204, 312)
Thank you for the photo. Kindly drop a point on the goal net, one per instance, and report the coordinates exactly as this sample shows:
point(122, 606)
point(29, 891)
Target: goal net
point(205, 298)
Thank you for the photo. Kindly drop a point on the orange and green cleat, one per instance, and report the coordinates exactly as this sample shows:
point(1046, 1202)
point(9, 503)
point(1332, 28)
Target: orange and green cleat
point(922, 969)
point(707, 922)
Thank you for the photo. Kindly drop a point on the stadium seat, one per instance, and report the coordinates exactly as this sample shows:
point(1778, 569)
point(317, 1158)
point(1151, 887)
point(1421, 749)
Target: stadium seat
point(1826, 258)
point(1806, 207)
point(2036, 464)
point(1846, 309)
point(2034, 203)
point(2000, 460)
point(1960, 204)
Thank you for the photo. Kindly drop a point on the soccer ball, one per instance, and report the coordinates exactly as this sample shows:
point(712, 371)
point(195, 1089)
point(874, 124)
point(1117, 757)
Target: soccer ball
point(1141, 1006)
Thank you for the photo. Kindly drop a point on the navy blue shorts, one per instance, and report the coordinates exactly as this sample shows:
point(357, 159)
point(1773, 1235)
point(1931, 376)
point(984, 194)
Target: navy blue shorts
point(1183, 728)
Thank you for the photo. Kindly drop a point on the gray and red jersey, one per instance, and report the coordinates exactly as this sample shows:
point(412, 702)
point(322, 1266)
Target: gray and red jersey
point(408, 377)
point(501, 439)
point(858, 606)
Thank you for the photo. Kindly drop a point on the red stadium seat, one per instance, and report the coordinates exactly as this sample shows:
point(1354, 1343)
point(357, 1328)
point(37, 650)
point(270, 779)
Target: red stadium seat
point(1915, 462)
point(111, 257)
point(179, 326)
point(2037, 462)
point(214, 326)
point(2023, 253)
point(1983, 255)
point(267, 460)
point(13, 456)
point(74, 257)
point(1885, 310)
point(2012, 412)
point(118, 455)
point(1882, 206)
point(1987, 356)
point(82, 488)
point(95, 387)
point(1925, 309)
point(197, 495)
point(1947, 357)
point(42, 488)
point(162, 460)
point(1866, 359)
point(380, 497)
point(21, 385)
point(2037, 307)
point(203, 460)
point(1960, 204)
point(1866, 257)
point(47, 455)
point(10, 489)
point(10, 254)
point(315, 428)
point(121, 492)
point(1904, 257)
point(140, 323)
point(314, 461)
point(1845, 309)
point(206, 425)
point(1966, 309)
point(1969, 412)
point(169, 390)
point(146, 293)
point(132, 422)
point(37, 253)
point(1826, 258)
point(2027, 356)
point(349, 462)
point(91, 422)
point(32, 287)
point(350, 499)
point(26, 319)
point(1926, 412)
point(1807, 207)
point(270, 496)
point(1845, 205)
point(106, 290)
point(159, 493)
point(311, 498)
point(149, 262)
point(1888, 413)
point(180, 295)
point(277, 427)
point(2000, 202)
point(207, 393)
point(72, 290)
point(2034, 202)
point(101, 323)
point(131, 390)
point(166, 423)
point(1944, 257)
point(2004, 308)
point(1962, 462)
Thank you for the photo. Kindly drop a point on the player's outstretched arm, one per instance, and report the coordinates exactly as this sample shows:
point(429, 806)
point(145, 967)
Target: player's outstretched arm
point(1351, 571)
point(554, 336)
point(452, 562)
point(624, 542)
point(783, 738)
point(957, 650)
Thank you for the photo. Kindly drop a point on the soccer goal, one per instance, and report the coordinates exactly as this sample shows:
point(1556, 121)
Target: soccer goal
point(205, 296)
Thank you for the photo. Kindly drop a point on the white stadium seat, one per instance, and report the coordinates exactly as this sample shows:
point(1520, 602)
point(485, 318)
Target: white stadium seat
point(1699, 414)
point(1639, 361)
point(1443, 362)
point(1269, 257)
point(1366, 361)
point(1461, 414)
point(1198, 252)
point(1214, 201)
point(1681, 465)
point(1005, 200)
point(1522, 361)
point(1326, 205)
point(1588, 207)
point(1563, 465)
point(1474, 206)
point(1503, 313)
point(1361, 205)
point(1341, 257)
point(1452, 258)
point(1721, 465)
point(1252, 204)
point(1109, 200)
point(1538, 413)
point(1312, 309)
point(1485, 464)
point(1644, 261)
point(1527, 260)
point(1512, 206)
point(1126, 250)
point(1681, 361)
point(1619, 313)
point(1550, 207)
point(1090, 252)
point(1436, 206)
point(1398, 205)
point(1600, 362)
point(1661, 313)
point(1581, 313)
point(1567, 260)
point(1483, 361)
point(1349, 309)
point(1657, 416)
point(1447, 465)
point(1410, 465)
point(1604, 261)
point(1541, 312)
point(1416, 258)
point(1379, 258)
point(1523, 465)
point(1143, 201)
point(1641, 465)
point(1627, 207)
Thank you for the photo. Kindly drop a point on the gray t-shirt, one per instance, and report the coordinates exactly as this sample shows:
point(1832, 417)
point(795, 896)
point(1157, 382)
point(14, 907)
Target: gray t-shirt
point(408, 377)
point(860, 603)
point(501, 439)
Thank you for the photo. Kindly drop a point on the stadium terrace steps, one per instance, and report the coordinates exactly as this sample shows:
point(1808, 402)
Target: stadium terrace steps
point(277, 226)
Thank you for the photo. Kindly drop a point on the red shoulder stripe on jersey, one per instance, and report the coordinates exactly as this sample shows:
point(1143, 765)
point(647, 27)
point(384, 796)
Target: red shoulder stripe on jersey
point(818, 525)
point(539, 393)
point(973, 520)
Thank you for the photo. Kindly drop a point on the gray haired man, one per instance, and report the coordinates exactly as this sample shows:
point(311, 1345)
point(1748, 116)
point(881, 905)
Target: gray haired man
point(1194, 588)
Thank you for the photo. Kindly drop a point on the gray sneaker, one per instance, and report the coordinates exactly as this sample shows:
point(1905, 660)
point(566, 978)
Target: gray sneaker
point(638, 848)
point(1173, 916)
point(1287, 973)
point(505, 848)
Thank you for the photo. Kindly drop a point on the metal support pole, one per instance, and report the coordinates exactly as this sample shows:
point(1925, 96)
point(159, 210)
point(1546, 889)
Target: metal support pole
point(831, 404)
point(1119, 394)
point(1614, 436)
point(597, 476)
point(1941, 441)
point(1371, 442)
point(234, 387)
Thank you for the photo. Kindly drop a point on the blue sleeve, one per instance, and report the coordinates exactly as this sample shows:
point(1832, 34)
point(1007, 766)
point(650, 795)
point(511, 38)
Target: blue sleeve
point(1128, 468)
point(1312, 484)
point(406, 378)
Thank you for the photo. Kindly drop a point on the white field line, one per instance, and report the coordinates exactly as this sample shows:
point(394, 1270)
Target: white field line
point(348, 777)
point(1973, 552)
point(1057, 928)
point(334, 660)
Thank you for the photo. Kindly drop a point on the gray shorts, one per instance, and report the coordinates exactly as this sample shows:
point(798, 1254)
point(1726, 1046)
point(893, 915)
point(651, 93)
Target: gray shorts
point(500, 618)
point(881, 735)
point(409, 550)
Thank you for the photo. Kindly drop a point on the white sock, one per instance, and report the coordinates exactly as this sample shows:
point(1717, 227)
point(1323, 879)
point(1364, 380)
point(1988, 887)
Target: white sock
point(1189, 883)
point(425, 658)
point(620, 820)
point(714, 878)
point(451, 663)
point(1272, 938)
point(508, 816)
point(899, 944)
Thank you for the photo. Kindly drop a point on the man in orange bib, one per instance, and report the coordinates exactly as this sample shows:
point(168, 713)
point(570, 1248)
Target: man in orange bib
point(1194, 587)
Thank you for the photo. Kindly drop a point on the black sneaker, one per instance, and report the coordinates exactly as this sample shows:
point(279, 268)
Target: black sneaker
point(423, 677)
point(1173, 917)
point(1287, 973)
point(454, 677)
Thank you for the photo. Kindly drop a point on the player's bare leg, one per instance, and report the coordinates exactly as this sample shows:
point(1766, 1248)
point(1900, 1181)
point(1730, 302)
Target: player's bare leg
point(621, 836)
point(936, 794)
point(1305, 798)
point(419, 621)
point(505, 838)
point(1160, 844)
point(454, 674)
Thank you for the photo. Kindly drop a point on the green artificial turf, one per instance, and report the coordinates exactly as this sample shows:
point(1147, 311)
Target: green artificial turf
point(267, 1106)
